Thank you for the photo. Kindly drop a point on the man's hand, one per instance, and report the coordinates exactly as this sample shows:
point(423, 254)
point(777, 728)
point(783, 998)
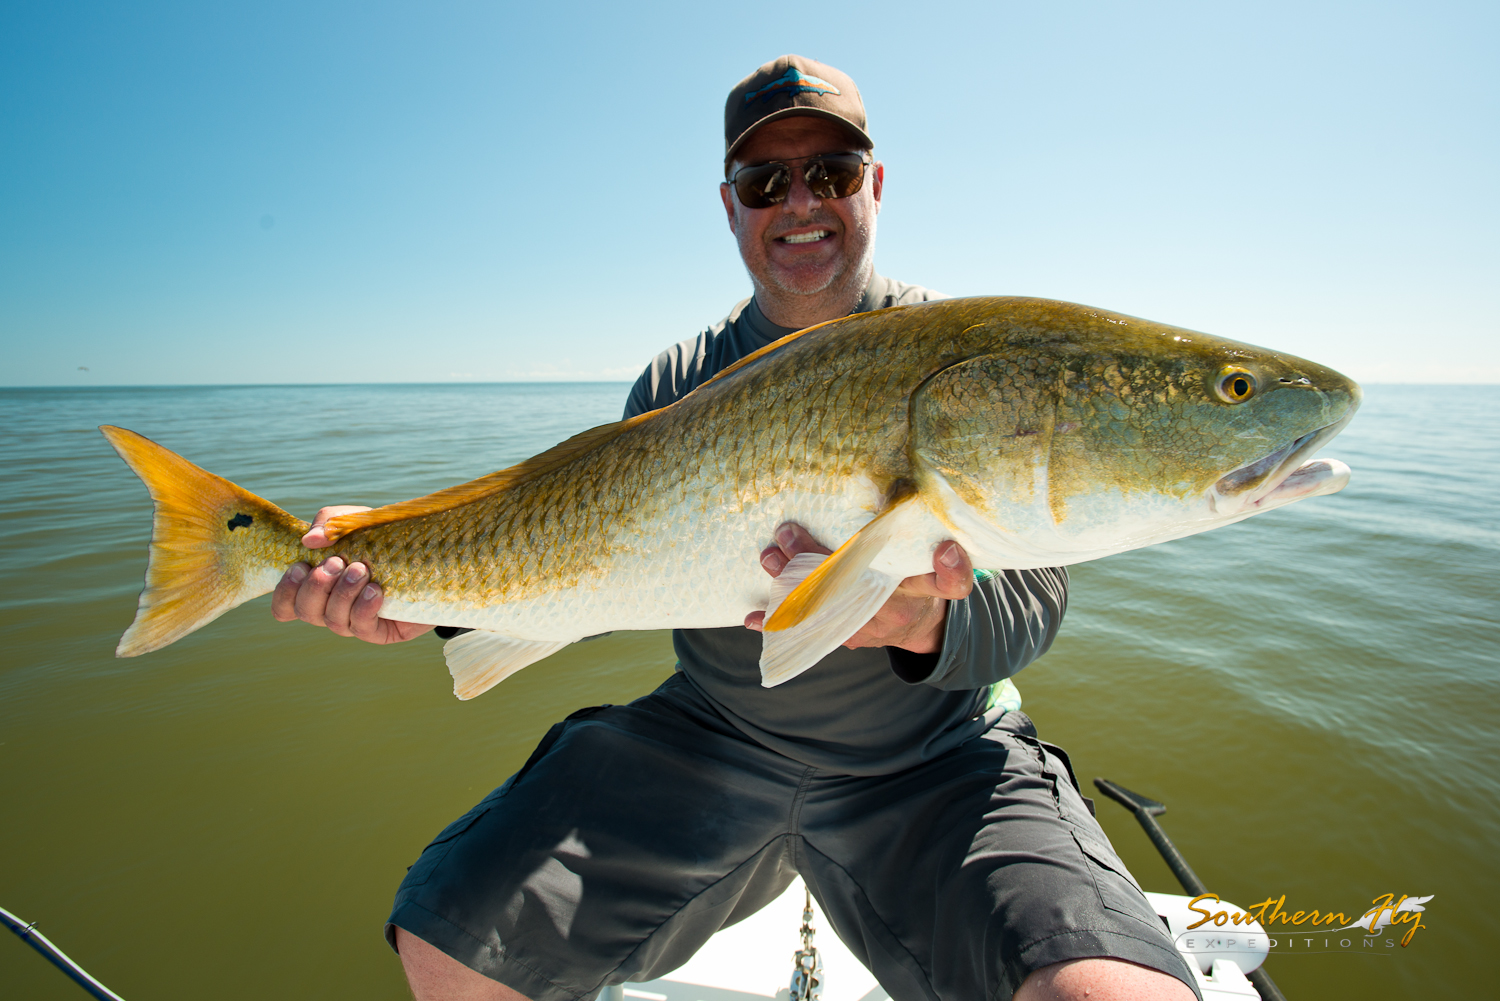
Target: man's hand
point(343, 598)
point(912, 619)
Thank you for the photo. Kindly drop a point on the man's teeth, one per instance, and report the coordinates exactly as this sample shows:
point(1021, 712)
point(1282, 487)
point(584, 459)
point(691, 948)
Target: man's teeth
point(816, 234)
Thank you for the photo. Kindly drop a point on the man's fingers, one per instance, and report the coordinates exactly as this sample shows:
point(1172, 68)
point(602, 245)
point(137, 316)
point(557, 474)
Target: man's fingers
point(317, 537)
point(284, 598)
point(792, 539)
point(312, 595)
point(366, 624)
point(364, 616)
point(400, 632)
point(342, 599)
point(953, 571)
point(915, 616)
point(952, 576)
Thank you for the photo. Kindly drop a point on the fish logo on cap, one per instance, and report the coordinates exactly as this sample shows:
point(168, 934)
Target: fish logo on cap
point(793, 81)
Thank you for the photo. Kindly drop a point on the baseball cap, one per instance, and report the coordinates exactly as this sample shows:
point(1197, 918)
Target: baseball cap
point(787, 86)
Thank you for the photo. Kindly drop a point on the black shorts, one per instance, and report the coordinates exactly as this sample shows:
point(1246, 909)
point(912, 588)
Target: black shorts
point(635, 832)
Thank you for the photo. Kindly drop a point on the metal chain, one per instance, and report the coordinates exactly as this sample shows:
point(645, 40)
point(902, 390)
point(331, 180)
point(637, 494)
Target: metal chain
point(807, 972)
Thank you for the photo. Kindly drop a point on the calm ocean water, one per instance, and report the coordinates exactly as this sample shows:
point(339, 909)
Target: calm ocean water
point(1313, 693)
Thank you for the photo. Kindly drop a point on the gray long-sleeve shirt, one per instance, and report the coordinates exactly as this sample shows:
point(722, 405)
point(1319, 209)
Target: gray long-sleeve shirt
point(871, 711)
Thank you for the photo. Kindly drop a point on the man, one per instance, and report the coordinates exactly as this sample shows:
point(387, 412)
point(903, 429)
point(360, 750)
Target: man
point(949, 848)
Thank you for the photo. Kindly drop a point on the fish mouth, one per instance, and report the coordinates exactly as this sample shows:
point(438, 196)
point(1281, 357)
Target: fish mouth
point(1255, 482)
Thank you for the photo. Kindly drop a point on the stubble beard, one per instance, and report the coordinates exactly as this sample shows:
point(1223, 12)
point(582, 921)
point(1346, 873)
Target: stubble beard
point(777, 284)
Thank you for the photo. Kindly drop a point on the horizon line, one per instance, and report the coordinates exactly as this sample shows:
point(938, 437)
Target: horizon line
point(322, 385)
point(498, 382)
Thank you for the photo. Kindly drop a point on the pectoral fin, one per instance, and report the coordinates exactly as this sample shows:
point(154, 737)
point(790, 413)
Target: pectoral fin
point(835, 576)
point(480, 660)
point(787, 652)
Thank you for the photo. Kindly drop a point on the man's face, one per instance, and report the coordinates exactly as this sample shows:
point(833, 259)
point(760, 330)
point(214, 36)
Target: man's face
point(805, 244)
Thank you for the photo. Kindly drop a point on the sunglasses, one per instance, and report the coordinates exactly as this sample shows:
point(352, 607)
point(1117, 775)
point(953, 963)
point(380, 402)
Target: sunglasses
point(828, 175)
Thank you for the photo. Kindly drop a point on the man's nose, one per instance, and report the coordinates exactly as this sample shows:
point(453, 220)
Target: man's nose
point(800, 199)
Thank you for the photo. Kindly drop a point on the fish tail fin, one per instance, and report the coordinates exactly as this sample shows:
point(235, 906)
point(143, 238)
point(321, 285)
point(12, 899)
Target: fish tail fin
point(214, 545)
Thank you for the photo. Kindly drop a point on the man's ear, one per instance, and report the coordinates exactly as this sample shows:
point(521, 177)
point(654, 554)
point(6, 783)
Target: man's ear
point(877, 182)
point(727, 196)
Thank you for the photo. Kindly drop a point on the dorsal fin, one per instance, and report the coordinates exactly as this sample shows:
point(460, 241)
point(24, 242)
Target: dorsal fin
point(486, 486)
point(760, 353)
point(505, 479)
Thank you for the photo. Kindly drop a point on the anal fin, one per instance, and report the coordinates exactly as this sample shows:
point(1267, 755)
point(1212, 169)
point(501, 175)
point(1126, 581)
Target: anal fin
point(480, 660)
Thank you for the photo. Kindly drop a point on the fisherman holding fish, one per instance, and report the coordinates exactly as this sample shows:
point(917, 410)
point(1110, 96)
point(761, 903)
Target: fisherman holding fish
point(845, 716)
point(949, 847)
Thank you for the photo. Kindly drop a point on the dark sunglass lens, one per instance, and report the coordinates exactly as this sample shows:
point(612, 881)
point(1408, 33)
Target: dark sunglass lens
point(819, 182)
point(762, 186)
point(837, 176)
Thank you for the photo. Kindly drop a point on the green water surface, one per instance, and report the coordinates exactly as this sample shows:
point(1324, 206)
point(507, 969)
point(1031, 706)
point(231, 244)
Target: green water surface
point(1313, 693)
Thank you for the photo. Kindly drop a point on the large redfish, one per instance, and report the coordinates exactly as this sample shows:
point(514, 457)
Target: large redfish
point(1035, 433)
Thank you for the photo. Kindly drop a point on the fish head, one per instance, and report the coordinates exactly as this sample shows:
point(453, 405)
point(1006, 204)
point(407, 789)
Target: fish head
point(1081, 433)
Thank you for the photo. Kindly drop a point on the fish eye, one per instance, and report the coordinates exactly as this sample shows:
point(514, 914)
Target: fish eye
point(1235, 385)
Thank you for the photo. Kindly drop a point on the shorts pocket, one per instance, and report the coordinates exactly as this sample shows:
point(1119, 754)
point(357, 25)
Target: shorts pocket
point(1117, 889)
point(433, 855)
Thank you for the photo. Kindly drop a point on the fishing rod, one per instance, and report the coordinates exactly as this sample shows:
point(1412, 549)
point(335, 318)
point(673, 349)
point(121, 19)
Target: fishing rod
point(1146, 811)
point(39, 942)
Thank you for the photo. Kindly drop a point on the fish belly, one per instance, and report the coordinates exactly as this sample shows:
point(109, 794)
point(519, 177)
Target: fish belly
point(695, 566)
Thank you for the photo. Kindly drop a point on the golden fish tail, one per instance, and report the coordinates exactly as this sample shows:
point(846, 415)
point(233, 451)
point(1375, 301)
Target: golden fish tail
point(214, 545)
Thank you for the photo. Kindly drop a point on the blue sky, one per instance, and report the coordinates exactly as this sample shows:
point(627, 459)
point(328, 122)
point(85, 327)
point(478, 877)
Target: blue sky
point(384, 192)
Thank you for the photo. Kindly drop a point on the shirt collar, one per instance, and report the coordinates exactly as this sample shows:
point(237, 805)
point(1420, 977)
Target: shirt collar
point(764, 331)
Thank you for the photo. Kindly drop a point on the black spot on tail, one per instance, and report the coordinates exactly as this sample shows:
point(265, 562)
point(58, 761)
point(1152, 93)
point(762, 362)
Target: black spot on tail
point(240, 521)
